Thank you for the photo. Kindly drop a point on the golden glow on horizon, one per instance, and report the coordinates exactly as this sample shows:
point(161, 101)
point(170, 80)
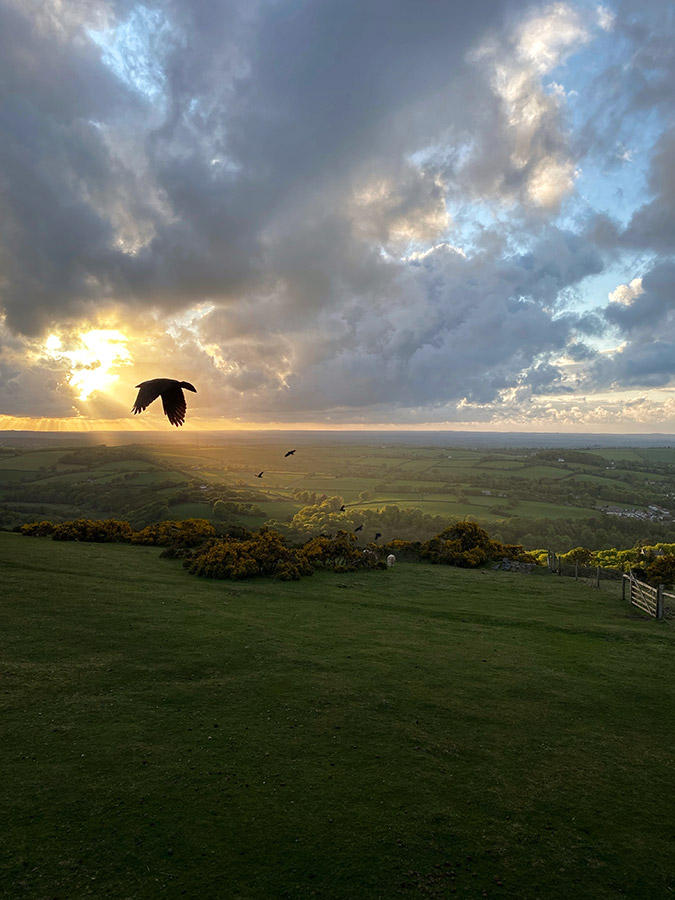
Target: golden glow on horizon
point(91, 363)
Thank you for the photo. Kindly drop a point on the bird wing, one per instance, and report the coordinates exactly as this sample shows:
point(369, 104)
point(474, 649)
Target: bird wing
point(149, 391)
point(173, 401)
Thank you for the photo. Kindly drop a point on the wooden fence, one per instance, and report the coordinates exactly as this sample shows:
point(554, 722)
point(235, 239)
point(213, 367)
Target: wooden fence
point(655, 601)
point(647, 598)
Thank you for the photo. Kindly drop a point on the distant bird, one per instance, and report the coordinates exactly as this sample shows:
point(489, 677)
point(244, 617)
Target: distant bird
point(290, 453)
point(379, 534)
point(342, 509)
point(171, 392)
point(359, 528)
point(260, 474)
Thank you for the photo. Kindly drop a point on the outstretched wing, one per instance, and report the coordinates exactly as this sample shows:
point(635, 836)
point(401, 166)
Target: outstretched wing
point(174, 404)
point(149, 391)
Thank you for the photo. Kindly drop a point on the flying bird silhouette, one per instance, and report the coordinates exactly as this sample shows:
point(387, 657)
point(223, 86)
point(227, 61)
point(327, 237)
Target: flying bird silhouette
point(378, 534)
point(359, 528)
point(171, 392)
point(290, 453)
point(260, 474)
point(342, 509)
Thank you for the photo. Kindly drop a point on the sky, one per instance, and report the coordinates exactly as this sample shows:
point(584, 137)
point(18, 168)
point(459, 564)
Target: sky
point(377, 214)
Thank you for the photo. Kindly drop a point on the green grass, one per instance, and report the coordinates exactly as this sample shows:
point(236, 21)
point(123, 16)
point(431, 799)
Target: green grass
point(620, 454)
point(157, 477)
point(10, 476)
point(503, 464)
point(32, 462)
point(609, 483)
point(542, 472)
point(418, 732)
point(279, 509)
point(479, 507)
point(190, 511)
point(417, 465)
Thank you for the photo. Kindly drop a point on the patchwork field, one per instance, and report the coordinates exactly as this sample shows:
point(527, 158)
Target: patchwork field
point(422, 731)
point(497, 487)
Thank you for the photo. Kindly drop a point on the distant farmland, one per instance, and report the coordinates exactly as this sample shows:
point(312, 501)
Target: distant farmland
point(521, 493)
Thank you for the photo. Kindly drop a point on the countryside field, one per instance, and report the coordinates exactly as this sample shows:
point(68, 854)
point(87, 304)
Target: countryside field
point(526, 495)
point(423, 731)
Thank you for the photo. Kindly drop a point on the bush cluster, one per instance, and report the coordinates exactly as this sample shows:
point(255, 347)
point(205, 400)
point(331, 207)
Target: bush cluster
point(468, 545)
point(242, 554)
point(263, 553)
point(175, 533)
point(341, 553)
point(96, 531)
point(183, 533)
point(38, 529)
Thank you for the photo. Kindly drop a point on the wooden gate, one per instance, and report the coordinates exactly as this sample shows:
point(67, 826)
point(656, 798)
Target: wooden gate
point(647, 598)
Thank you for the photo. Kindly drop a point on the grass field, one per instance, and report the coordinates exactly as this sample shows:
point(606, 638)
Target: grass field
point(418, 732)
point(32, 462)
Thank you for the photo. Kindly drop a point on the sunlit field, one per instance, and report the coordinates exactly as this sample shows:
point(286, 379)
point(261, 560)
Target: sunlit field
point(423, 731)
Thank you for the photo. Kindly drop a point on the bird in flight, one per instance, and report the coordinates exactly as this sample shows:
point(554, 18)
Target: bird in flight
point(290, 453)
point(260, 474)
point(171, 392)
point(359, 528)
point(342, 508)
point(378, 534)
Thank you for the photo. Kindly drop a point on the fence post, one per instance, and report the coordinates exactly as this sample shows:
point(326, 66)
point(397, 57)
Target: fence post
point(576, 570)
point(659, 602)
point(623, 586)
point(597, 576)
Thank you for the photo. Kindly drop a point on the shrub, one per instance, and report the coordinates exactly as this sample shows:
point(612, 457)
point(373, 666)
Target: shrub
point(468, 545)
point(96, 531)
point(579, 555)
point(38, 529)
point(402, 550)
point(339, 553)
point(264, 554)
point(661, 571)
point(182, 533)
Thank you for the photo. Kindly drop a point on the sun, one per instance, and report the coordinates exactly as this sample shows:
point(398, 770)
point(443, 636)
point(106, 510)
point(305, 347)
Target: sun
point(90, 363)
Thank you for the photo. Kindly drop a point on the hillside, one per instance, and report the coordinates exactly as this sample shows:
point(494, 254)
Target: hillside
point(423, 731)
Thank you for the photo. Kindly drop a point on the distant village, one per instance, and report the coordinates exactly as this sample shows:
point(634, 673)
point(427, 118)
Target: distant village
point(651, 514)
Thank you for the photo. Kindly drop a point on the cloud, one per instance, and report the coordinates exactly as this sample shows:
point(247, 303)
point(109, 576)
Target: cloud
point(642, 313)
point(627, 294)
point(525, 154)
point(321, 210)
point(652, 226)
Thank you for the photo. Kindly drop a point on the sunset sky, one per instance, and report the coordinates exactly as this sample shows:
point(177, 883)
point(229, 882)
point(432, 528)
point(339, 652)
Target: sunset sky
point(323, 213)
